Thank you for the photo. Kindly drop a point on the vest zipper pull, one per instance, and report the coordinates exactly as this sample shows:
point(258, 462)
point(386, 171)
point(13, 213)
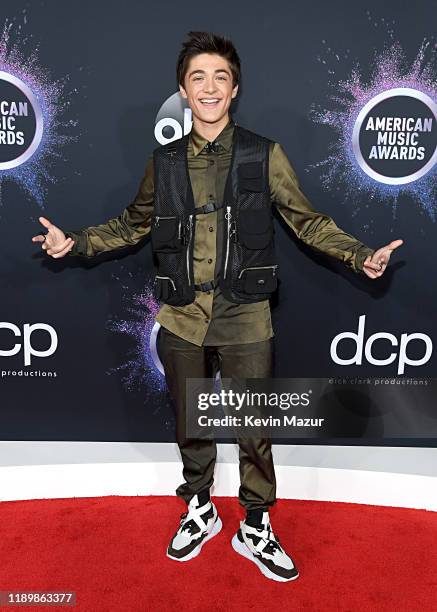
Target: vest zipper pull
point(233, 233)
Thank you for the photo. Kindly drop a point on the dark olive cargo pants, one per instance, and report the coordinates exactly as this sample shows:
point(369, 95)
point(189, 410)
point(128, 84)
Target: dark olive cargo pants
point(181, 360)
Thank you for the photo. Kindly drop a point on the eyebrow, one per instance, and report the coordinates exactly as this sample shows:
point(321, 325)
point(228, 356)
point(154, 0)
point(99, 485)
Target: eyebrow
point(203, 72)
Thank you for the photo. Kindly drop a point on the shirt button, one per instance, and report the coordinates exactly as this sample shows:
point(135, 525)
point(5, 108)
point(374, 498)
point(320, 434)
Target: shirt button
point(206, 320)
point(210, 260)
point(211, 229)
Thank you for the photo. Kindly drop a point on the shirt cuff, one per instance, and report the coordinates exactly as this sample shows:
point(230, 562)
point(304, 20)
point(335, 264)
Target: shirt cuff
point(80, 243)
point(360, 257)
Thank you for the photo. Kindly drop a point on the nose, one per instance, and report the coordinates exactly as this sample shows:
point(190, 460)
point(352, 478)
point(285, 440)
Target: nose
point(209, 85)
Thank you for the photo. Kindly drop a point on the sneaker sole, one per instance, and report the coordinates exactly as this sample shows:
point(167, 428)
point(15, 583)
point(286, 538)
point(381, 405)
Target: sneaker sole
point(214, 531)
point(242, 550)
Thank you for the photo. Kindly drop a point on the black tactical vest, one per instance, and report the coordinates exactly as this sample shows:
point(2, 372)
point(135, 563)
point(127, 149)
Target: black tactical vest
point(248, 270)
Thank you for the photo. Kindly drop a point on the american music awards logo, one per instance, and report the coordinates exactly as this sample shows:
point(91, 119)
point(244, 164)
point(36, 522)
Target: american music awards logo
point(394, 137)
point(32, 130)
point(21, 122)
point(385, 141)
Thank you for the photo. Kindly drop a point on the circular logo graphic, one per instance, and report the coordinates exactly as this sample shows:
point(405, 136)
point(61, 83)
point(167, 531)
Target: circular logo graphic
point(173, 119)
point(395, 137)
point(21, 122)
point(154, 349)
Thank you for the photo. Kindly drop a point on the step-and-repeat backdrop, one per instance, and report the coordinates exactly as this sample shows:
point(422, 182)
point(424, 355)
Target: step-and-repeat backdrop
point(88, 90)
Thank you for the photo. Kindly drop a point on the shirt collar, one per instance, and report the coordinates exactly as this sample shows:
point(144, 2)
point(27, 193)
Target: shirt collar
point(224, 138)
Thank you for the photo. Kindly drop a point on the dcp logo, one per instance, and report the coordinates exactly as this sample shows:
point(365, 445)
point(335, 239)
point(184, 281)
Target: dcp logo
point(401, 354)
point(26, 341)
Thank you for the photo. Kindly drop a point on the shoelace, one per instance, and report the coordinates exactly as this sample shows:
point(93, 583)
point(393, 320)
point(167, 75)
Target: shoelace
point(189, 526)
point(273, 542)
point(272, 547)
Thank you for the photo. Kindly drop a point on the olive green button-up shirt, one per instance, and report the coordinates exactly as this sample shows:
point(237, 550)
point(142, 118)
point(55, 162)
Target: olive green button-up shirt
point(211, 319)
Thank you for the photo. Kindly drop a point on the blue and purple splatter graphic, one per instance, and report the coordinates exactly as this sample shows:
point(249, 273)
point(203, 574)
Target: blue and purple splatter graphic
point(53, 98)
point(141, 309)
point(390, 70)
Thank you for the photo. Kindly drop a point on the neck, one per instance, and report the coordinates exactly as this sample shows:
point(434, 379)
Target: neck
point(210, 131)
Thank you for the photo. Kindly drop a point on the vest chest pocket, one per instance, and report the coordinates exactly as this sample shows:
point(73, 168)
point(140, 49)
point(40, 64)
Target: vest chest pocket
point(250, 176)
point(255, 228)
point(166, 234)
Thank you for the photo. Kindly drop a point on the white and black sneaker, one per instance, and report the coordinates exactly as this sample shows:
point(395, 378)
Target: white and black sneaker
point(198, 525)
point(260, 545)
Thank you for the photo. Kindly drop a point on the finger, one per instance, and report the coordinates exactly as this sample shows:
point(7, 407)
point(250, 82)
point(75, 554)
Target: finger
point(370, 273)
point(48, 243)
point(58, 248)
point(395, 244)
point(45, 222)
point(372, 265)
point(63, 252)
point(376, 274)
point(379, 270)
point(379, 259)
point(39, 238)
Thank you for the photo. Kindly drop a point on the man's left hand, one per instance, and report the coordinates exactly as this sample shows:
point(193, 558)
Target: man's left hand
point(375, 266)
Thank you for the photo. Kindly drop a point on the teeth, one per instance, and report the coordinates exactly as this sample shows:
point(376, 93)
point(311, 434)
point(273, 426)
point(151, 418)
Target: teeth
point(208, 101)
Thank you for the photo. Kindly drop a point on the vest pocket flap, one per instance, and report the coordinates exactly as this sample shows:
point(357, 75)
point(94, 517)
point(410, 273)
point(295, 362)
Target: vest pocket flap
point(259, 279)
point(255, 228)
point(250, 176)
point(165, 234)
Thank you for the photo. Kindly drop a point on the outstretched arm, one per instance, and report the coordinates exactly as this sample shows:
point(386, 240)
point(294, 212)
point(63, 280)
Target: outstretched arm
point(128, 228)
point(316, 229)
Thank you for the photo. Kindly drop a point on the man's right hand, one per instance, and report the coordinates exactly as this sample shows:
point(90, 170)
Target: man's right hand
point(55, 243)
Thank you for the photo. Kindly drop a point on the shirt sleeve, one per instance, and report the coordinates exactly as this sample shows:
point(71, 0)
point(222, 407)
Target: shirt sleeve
point(316, 229)
point(128, 228)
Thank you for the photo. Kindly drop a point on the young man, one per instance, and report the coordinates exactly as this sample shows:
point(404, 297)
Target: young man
point(206, 199)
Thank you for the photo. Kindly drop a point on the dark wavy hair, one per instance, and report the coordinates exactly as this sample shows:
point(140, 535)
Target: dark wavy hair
point(207, 42)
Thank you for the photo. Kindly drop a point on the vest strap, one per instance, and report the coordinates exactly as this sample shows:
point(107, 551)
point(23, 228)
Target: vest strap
point(208, 286)
point(207, 208)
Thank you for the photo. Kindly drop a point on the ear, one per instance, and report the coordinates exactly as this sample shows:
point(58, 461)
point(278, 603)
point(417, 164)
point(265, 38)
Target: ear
point(182, 91)
point(234, 91)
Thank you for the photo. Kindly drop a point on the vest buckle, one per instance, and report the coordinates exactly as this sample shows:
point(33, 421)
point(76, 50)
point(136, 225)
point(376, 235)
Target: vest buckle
point(208, 286)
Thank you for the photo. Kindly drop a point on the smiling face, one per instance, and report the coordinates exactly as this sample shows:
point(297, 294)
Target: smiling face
point(208, 87)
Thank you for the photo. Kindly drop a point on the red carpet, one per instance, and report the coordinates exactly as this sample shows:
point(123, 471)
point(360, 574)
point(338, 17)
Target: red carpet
point(111, 551)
